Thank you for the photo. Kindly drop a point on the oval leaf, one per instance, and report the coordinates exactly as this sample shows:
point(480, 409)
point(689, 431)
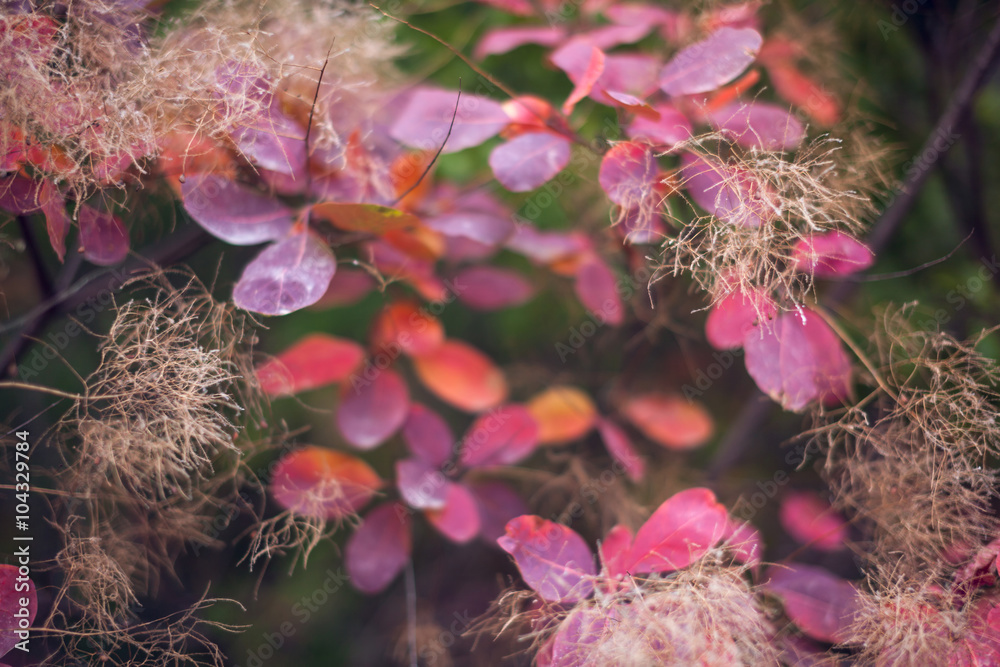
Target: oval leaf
point(233, 212)
point(501, 437)
point(821, 604)
point(628, 173)
point(427, 435)
point(620, 448)
point(458, 520)
point(421, 484)
point(811, 521)
point(322, 483)
point(286, 276)
point(669, 420)
point(103, 238)
point(563, 414)
point(372, 410)
point(379, 549)
point(424, 122)
point(552, 559)
point(528, 161)
point(462, 376)
point(710, 63)
point(679, 532)
point(831, 254)
point(406, 327)
point(491, 288)
point(368, 218)
point(315, 361)
point(597, 289)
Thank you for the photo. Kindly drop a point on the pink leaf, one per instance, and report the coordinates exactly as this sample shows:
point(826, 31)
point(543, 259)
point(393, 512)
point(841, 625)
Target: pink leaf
point(583, 64)
point(275, 142)
point(427, 435)
point(458, 520)
point(831, 254)
point(679, 532)
point(811, 520)
point(379, 549)
point(501, 437)
point(484, 227)
point(323, 483)
point(797, 359)
point(498, 504)
point(286, 276)
point(315, 361)
point(628, 173)
point(669, 420)
point(423, 122)
point(759, 125)
point(597, 288)
point(552, 559)
point(491, 288)
point(421, 484)
point(615, 550)
point(528, 161)
point(543, 247)
point(102, 236)
point(347, 287)
point(18, 606)
point(372, 410)
point(502, 40)
point(729, 193)
point(745, 541)
point(671, 128)
point(233, 212)
point(821, 604)
point(710, 63)
point(734, 316)
point(609, 36)
point(630, 73)
point(620, 447)
point(571, 646)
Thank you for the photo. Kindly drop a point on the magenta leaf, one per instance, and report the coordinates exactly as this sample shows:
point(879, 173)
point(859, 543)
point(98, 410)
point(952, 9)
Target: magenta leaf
point(583, 63)
point(458, 520)
point(18, 607)
point(286, 276)
point(379, 549)
point(710, 63)
point(528, 161)
point(372, 410)
point(502, 436)
point(620, 448)
point(811, 521)
point(629, 73)
point(597, 288)
point(796, 359)
point(734, 316)
point(821, 604)
point(679, 532)
point(233, 212)
point(608, 36)
point(427, 435)
point(831, 254)
point(502, 40)
point(552, 559)
point(498, 504)
point(628, 173)
point(424, 122)
point(614, 551)
point(759, 125)
point(275, 142)
point(421, 484)
point(102, 236)
point(731, 194)
point(745, 542)
point(491, 288)
point(671, 128)
point(572, 644)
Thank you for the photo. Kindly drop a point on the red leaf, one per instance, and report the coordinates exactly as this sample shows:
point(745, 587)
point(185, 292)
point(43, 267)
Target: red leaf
point(804, 93)
point(501, 437)
point(628, 173)
point(13, 590)
point(491, 288)
point(620, 448)
point(458, 520)
point(372, 410)
point(103, 237)
point(615, 550)
point(379, 549)
point(679, 532)
point(528, 161)
point(597, 289)
point(811, 521)
point(498, 504)
point(315, 361)
point(797, 359)
point(406, 327)
point(821, 604)
point(368, 218)
point(462, 376)
point(502, 40)
point(583, 64)
point(424, 122)
point(710, 63)
point(286, 276)
point(669, 420)
point(322, 483)
point(831, 254)
point(233, 212)
point(421, 484)
point(552, 559)
point(427, 435)
point(563, 414)
point(759, 125)
point(734, 316)
point(670, 128)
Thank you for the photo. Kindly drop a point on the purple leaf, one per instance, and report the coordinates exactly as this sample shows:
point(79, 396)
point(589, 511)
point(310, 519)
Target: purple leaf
point(274, 141)
point(373, 410)
point(628, 173)
point(379, 549)
point(502, 436)
point(421, 484)
point(797, 359)
point(608, 36)
point(759, 125)
point(458, 520)
point(484, 227)
point(524, 163)
point(710, 63)
point(491, 288)
point(583, 63)
point(734, 316)
point(597, 290)
point(233, 212)
point(498, 504)
point(672, 127)
point(821, 604)
point(424, 122)
point(544, 247)
point(573, 643)
point(286, 276)
point(102, 236)
point(729, 193)
point(679, 532)
point(632, 73)
point(552, 559)
point(831, 254)
point(427, 435)
point(502, 40)
point(620, 448)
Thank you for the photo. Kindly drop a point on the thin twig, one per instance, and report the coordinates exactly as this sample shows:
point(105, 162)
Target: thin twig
point(451, 125)
point(312, 110)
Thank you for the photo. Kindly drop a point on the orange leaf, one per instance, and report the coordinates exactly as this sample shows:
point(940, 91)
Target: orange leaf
point(669, 420)
point(323, 483)
point(563, 414)
point(370, 218)
point(805, 93)
point(419, 242)
point(314, 361)
point(405, 172)
point(406, 327)
point(462, 376)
